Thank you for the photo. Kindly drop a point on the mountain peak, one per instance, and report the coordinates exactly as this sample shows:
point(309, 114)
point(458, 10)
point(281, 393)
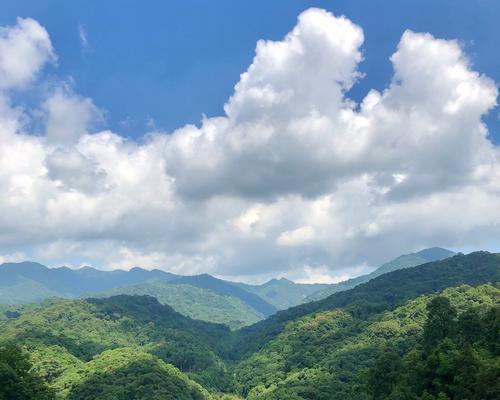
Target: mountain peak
point(435, 253)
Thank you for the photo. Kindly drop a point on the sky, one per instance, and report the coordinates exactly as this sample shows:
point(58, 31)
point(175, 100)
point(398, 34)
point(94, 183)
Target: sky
point(306, 139)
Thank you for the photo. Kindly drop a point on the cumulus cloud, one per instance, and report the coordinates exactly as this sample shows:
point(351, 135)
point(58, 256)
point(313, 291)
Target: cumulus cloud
point(69, 116)
point(24, 49)
point(294, 179)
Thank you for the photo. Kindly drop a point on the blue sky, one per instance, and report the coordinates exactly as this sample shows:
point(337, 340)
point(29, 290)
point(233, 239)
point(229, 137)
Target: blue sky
point(106, 160)
point(169, 62)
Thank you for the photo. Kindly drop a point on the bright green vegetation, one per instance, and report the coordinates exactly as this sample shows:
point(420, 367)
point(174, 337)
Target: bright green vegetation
point(431, 332)
point(382, 293)
point(283, 293)
point(64, 335)
point(404, 261)
point(328, 355)
point(195, 302)
point(17, 379)
point(225, 288)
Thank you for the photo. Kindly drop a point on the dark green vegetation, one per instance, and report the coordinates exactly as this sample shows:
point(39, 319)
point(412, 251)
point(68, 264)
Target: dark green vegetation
point(382, 293)
point(432, 331)
point(457, 357)
point(17, 379)
point(404, 261)
point(195, 302)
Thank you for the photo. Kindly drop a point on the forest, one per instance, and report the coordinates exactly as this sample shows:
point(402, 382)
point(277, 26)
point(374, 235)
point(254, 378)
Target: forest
point(430, 332)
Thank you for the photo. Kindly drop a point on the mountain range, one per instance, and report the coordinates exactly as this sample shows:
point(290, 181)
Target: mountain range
point(201, 297)
point(434, 327)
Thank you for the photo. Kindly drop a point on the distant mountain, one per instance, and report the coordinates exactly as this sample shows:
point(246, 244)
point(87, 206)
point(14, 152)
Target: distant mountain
point(29, 281)
point(225, 288)
point(383, 293)
point(404, 261)
point(283, 293)
point(195, 302)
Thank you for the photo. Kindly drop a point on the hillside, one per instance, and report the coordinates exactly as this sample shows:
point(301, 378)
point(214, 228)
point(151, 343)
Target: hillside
point(225, 288)
point(383, 292)
point(195, 302)
point(122, 345)
point(404, 261)
point(283, 293)
point(322, 355)
point(63, 335)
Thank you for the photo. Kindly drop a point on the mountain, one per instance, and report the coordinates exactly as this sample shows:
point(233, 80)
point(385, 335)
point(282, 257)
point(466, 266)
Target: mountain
point(283, 293)
point(321, 355)
point(65, 337)
point(195, 302)
point(430, 331)
point(225, 288)
point(404, 261)
point(29, 281)
point(383, 293)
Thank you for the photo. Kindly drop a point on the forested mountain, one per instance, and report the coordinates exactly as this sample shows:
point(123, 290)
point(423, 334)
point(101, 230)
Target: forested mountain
point(195, 302)
point(338, 354)
point(283, 293)
point(427, 345)
point(225, 288)
point(28, 281)
point(384, 292)
point(404, 261)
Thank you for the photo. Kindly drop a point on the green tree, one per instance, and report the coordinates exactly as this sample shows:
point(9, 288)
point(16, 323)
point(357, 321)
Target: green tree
point(441, 322)
point(385, 375)
point(17, 381)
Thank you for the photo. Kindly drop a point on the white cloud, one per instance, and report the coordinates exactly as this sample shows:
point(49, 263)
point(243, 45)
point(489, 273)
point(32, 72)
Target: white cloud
point(69, 116)
point(295, 179)
point(24, 49)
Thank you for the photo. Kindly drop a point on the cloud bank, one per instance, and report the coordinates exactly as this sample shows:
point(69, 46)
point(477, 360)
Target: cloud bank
point(295, 179)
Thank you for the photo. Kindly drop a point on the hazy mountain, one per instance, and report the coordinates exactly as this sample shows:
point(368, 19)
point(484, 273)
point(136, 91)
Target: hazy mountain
point(29, 281)
point(404, 261)
point(283, 293)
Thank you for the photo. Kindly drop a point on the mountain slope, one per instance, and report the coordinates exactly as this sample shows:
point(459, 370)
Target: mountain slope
point(44, 282)
point(383, 293)
point(76, 331)
point(283, 293)
point(404, 261)
point(96, 348)
point(322, 353)
point(225, 288)
point(195, 302)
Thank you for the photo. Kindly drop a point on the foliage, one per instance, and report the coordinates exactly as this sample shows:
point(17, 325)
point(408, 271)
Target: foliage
point(382, 293)
point(393, 337)
point(128, 374)
point(454, 361)
point(195, 302)
point(86, 328)
point(17, 380)
point(334, 346)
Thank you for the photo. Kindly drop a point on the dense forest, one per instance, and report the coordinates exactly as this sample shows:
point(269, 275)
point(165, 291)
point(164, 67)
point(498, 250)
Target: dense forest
point(424, 333)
